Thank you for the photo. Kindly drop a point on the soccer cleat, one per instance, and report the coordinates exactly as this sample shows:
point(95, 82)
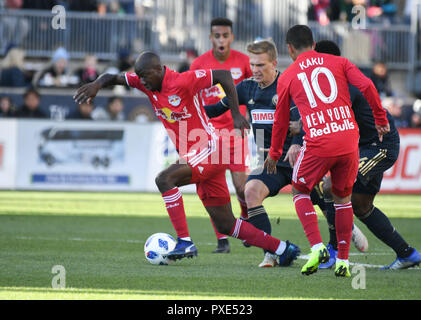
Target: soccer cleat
point(404, 263)
point(342, 269)
point(359, 239)
point(223, 246)
point(270, 260)
point(317, 257)
point(332, 258)
point(245, 244)
point(182, 250)
point(290, 253)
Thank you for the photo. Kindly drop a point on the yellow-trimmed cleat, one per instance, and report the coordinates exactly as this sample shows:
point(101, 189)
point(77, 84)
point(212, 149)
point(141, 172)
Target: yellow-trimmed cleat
point(317, 257)
point(342, 269)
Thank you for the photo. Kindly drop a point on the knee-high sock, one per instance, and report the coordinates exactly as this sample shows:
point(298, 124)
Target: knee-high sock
point(344, 221)
point(308, 218)
point(259, 218)
point(243, 206)
point(255, 237)
point(175, 208)
point(382, 228)
point(330, 217)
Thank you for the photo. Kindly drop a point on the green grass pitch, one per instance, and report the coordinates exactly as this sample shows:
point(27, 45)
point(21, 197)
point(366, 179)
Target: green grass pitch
point(99, 237)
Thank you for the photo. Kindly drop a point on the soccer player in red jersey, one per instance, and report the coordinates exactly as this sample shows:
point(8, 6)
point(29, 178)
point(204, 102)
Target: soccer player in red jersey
point(221, 56)
point(175, 99)
point(318, 84)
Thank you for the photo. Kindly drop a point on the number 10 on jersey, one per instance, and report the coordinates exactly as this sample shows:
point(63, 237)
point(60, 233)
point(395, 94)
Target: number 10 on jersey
point(314, 86)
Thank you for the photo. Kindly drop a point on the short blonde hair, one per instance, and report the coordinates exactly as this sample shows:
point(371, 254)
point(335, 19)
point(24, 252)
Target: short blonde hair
point(264, 46)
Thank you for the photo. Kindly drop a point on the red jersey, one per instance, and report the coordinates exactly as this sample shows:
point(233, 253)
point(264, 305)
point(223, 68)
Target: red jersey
point(179, 108)
point(239, 65)
point(318, 85)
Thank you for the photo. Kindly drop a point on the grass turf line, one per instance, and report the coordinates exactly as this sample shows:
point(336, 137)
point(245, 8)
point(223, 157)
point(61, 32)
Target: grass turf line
point(99, 237)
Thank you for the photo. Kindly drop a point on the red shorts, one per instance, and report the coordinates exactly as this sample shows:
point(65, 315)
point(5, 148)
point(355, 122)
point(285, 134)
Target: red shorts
point(310, 169)
point(236, 154)
point(208, 173)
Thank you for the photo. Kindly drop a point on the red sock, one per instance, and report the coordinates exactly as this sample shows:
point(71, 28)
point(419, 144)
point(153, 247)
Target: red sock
point(253, 236)
point(243, 206)
point(219, 236)
point(308, 218)
point(343, 223)
point(175, 208)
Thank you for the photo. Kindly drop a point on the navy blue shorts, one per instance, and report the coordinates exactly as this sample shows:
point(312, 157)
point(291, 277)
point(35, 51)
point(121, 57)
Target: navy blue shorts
point(283, 177)
point(374, 161)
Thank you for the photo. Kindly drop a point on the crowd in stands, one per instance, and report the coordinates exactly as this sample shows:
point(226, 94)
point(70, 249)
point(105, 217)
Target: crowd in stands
point(61, 72)
point(377, 11)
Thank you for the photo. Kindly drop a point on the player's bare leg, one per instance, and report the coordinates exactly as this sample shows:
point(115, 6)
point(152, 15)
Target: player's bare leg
point(239, 179)
point(255, 193)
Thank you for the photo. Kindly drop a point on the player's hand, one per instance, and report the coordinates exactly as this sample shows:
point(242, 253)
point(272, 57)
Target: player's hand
point(240, 123)
point(86, 93)
point(270, 165)
point(292, 154)
point(382, 130)
point(295, 128)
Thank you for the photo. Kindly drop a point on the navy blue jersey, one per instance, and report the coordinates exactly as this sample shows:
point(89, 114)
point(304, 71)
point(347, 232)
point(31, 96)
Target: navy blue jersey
point(261, 104)
point(365, 120)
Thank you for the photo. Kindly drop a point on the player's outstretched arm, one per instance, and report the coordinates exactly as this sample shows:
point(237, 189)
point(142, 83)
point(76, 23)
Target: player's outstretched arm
point(225, 79)
point(88, 91)
point(215, 110)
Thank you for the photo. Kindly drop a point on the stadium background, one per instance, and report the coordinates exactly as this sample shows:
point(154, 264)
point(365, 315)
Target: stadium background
point(60, 152)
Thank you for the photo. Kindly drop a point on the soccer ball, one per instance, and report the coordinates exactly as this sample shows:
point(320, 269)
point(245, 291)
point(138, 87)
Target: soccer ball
point(157, 247)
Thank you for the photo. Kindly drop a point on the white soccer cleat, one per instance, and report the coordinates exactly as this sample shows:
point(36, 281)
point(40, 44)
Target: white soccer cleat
point(359, 239)
point(269, 261)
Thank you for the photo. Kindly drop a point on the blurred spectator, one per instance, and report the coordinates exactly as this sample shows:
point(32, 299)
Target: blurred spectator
point(190, 55)
point(113, 111)
point(380, 77)
point(83, 112)
point(13, 28)
point(83, 5)
point(125, 62)
point(56, 74)
point(39, 4)
point(88, 72)
point(31, 105)
point(318, 11)
point(7, 109)
point(110, 6)
point(12, 69)
point(416, 116)
point(396, 108)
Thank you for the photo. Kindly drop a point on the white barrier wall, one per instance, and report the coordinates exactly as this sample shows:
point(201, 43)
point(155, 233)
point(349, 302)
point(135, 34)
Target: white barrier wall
point(8, 134)
point(82, 155)
point(110, 156)
point(405, 175)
